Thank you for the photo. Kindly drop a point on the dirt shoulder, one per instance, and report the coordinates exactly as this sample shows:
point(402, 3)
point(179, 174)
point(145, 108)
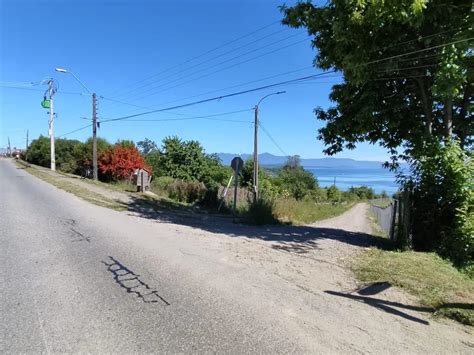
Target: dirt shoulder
point(313, 284)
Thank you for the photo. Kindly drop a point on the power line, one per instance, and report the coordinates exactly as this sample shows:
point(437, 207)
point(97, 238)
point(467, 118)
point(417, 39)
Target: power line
point(212, 91)
point(272, 139)
point(428, 36)
point(216, 57)
point(418, 51)
point(203, 54)
point(32, 89)
point(210, 117)
point(74, 131)
point(152, 92)
point(372, 62)
point(219, 97)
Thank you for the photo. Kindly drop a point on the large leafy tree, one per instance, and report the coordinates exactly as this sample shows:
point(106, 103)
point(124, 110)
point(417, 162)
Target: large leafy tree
point(295, 179)
point(120, 161)
point(406, 66)
point(184, 160)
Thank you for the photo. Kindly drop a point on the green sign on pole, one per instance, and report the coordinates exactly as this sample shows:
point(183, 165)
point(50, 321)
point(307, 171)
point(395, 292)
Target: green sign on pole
point(46, 103)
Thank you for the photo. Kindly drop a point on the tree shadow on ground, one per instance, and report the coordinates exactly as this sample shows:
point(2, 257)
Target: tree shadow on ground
point(387, 306)
point(287, 238)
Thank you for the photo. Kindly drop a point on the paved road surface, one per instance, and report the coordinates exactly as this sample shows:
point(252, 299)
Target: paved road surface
point(76, 277)
point(64, 287)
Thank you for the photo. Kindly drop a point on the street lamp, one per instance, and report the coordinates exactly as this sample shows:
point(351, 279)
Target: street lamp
point(94, 121)
point(255, 146)
point(62, 70)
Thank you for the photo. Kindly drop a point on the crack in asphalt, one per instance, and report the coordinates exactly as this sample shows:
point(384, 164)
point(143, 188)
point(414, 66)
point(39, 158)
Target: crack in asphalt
point(123, 276)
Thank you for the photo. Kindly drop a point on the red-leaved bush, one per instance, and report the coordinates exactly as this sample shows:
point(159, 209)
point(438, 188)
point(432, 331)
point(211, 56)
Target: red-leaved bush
point(119, 162)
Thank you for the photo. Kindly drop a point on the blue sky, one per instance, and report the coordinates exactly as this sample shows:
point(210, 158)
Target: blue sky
point(119, 48)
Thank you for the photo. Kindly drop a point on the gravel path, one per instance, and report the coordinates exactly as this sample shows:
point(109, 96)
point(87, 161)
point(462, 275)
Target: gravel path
point(82, 278)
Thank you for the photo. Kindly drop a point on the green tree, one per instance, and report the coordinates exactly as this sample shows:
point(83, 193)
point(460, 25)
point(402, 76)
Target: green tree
point(147, 146)
point(187, 160)
point(295, 179)
point(66, 158)
point(333, 194)
point(39, 151)
point(83, 153)
point(389, 96)
point(407, 85)
point(443, 197)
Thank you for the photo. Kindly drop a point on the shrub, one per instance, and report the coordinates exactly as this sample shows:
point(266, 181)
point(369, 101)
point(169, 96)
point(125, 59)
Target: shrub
point(260, 212)
point(442, 182)
point(363, 192)
point(187, 191)
point(119, 161)
point(333, 194)
point(161, 184)
point(211, 197)
point(39, 151)
point(295, 179)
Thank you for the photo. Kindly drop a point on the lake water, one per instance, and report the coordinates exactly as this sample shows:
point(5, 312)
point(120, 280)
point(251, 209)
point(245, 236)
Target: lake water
point(378, 179)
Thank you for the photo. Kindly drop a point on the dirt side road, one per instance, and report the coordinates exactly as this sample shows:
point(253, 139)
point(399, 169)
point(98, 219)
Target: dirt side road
point(218, 287)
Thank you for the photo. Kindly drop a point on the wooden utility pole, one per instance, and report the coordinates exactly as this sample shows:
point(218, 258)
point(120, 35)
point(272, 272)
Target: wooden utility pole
point(26, 141)
point(9, 151)
point(94, 137)
point(255, 157)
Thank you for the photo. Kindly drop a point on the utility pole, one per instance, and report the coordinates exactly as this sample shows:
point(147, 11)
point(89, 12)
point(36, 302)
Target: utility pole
point(255, 146)
point(255, 157)
point(9, 151)
point(94, 121)
point(51, 124)
point(94, 137)
point(26, 141)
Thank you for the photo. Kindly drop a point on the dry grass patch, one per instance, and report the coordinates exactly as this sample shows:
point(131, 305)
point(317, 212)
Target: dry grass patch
point(433, 280)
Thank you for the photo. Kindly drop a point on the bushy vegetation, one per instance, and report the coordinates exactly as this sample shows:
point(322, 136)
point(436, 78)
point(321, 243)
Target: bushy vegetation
point(410, 112)
point(184, 172)
point(442, 186)
point(115, 161)
point(260, 212)
point(118, 162)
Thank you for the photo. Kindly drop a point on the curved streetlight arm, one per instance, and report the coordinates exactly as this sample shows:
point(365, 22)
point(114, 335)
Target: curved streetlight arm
point(61, 70)
point(255, 146)
point(275, 93)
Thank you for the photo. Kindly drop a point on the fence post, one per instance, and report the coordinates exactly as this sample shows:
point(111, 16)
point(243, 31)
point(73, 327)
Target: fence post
point(394, 216)
point(400, 221)
point(407, 219)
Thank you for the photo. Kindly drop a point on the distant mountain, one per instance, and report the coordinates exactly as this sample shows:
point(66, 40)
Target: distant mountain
point(268, 159)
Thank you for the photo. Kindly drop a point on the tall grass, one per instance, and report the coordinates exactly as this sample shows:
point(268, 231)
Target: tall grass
point(307, 211)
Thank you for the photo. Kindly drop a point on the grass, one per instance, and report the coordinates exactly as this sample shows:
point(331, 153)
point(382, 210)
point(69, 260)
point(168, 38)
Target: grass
point(280, 211)
point(432, 280)
point(376, 229)
point(72, 188)
point(138, 199)
point(304, 211)
point(381, 202)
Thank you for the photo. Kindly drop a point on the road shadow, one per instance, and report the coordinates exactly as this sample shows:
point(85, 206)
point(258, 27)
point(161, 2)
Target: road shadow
point(387, 306)
point(286, 238)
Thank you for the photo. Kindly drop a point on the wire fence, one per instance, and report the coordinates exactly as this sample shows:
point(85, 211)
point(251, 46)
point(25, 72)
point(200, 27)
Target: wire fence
point(384, 215)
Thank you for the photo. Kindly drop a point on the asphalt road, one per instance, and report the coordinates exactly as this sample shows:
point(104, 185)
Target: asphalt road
point(80, 278)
